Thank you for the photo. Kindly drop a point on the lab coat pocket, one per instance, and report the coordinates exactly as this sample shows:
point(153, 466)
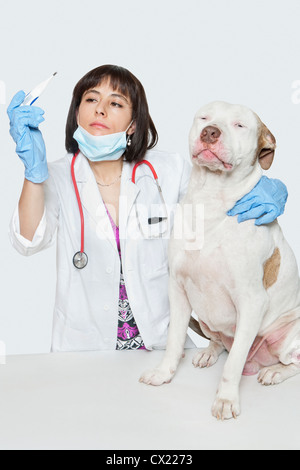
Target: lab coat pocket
point(70, 336)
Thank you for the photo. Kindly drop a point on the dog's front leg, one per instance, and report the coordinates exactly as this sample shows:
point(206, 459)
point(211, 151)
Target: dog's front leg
point(179, 320)
point(250, 312)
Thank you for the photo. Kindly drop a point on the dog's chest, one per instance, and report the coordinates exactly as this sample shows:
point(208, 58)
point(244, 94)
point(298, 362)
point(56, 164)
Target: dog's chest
point(205, 277)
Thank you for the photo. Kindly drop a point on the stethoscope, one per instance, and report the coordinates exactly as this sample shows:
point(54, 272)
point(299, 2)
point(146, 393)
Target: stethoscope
point(80, 259)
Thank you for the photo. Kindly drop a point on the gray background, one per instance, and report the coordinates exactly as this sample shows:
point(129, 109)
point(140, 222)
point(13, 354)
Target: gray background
point(185, 54)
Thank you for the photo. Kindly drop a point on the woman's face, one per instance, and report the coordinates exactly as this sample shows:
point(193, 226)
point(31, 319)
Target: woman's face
point(105, 111)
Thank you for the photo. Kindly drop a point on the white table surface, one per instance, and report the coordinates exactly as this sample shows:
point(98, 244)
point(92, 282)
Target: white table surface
point(94, 400)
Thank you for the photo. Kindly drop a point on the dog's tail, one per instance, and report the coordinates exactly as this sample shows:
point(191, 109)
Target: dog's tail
point(194, 325)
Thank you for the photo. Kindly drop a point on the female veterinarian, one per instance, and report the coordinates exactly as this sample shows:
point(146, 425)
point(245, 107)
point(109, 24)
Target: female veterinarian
point(109, 214)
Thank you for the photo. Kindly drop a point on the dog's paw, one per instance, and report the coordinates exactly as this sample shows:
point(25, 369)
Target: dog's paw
point(208, 357)
point(275, 374)
point(225, 409)
point(205, 358)
point(157, 377)
point(268, 376)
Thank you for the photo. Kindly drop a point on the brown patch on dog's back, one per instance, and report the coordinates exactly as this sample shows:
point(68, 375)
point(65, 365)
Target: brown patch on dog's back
point(271, 269)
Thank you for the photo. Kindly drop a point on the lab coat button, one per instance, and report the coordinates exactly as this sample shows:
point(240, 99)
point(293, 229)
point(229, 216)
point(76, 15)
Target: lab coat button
point(106, 307)
point(109, 270)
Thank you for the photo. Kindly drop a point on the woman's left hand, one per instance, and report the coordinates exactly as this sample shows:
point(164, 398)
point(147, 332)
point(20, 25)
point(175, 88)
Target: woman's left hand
point(264, 203)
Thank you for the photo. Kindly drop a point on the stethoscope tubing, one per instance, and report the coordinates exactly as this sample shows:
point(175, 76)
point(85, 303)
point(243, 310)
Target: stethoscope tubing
point(78, 201)
point(141, 163)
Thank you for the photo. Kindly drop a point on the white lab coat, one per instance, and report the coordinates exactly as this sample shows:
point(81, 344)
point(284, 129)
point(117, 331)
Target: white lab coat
point(86, 304)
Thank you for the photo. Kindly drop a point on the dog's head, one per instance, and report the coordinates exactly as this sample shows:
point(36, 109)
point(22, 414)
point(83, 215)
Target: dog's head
point(226, 136)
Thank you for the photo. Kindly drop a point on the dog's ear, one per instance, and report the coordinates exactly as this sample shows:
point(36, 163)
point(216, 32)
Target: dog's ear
point(266, 147)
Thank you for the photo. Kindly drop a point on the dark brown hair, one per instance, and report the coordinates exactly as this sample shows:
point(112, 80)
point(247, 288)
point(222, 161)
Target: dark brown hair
point(145, 136)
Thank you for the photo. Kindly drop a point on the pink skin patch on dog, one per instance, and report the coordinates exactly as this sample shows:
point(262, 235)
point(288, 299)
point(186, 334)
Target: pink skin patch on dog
point(210, 153)
point(296, 357)
point(264, 351)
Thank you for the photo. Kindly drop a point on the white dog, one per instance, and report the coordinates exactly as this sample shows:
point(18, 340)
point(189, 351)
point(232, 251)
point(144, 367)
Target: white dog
point(242, 282)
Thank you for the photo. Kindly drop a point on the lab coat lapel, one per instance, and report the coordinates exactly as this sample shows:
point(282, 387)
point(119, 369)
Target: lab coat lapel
point(92, 201)
point(128, 195)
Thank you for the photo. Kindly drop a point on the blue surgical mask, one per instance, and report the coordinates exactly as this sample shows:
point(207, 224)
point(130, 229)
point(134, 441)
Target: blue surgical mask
point(98, 148)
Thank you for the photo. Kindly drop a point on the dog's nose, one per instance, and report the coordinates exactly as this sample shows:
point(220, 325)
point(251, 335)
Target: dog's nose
point(210, 134)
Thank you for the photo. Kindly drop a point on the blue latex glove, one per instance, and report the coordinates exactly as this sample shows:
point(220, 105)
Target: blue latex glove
point(24, 122)
point(264, 203)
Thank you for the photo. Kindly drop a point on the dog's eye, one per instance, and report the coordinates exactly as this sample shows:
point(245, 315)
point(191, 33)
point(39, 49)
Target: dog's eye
point(238, 124)
point(203, 118)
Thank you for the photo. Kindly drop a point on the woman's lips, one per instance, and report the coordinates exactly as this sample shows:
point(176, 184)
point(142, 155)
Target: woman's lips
point(99, 125)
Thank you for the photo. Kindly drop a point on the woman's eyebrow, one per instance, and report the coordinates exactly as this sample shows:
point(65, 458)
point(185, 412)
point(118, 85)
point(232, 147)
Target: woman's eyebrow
point(114, 95)
point(91, 91)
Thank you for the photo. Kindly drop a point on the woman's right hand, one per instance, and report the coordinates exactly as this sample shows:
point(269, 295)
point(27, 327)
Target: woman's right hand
point(24, 122)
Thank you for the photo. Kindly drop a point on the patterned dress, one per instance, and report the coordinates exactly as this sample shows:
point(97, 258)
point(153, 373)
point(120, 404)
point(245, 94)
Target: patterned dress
point(128, 336)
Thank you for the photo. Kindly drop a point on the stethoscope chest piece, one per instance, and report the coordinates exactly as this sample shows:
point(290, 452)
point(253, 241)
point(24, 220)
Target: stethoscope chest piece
point(80, 260)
